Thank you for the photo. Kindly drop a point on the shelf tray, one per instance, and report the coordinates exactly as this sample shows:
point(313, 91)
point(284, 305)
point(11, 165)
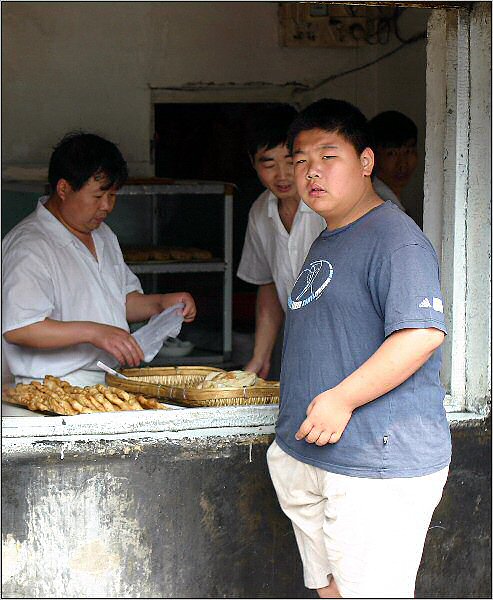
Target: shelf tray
point(176, 267)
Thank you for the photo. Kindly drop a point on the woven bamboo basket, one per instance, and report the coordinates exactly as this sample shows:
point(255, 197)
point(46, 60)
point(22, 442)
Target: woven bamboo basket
point(175, 383)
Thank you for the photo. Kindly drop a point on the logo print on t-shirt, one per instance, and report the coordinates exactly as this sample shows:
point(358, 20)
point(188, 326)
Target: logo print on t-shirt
point(310, 284)
point(437, 305)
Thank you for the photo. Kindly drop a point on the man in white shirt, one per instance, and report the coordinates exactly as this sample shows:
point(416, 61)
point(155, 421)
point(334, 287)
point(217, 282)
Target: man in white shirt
point(386, 193)
point(281, 229)
point(394, 138)
point(68, 295)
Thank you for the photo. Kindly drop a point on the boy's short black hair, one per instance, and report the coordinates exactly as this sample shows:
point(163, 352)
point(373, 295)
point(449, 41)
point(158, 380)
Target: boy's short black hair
point(333, 116)
point(79, 156)
point(392, 129)
point(268, 127)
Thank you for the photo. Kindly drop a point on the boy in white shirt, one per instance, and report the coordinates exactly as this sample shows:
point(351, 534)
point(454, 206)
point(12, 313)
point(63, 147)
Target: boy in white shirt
point(281, 229)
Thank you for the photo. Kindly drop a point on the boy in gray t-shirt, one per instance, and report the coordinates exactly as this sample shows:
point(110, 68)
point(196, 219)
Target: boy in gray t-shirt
point(362, 441)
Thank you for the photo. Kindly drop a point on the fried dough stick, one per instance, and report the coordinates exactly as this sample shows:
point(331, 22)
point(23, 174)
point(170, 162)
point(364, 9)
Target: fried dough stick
point(122, 405)
point(126, 397)
point(108, 406)
point(151, 403)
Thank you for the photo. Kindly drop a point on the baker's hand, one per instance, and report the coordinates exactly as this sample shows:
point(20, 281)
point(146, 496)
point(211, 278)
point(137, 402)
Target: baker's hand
point(261, 367)
point(327, 417)
point(189, 310)
point(117, 342)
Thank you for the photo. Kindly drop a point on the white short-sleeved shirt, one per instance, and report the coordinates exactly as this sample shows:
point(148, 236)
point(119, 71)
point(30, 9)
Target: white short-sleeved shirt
point(385, 193)
point(270, 253)
point(48, 272)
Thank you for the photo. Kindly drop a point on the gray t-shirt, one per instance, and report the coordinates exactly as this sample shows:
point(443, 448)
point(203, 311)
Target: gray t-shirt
point(359, 284)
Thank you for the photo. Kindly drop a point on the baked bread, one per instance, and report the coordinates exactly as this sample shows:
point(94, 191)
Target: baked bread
point(160, 254)
point(164, 253)
point(230, 380)
point(180, 254)
point(137, 254)
point(199, 254)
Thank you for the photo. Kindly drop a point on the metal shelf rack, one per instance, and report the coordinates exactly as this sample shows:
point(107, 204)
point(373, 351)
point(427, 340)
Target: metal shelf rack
point(157, 189)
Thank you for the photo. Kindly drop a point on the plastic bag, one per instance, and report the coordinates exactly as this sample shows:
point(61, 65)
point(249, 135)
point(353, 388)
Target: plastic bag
point(166, 324)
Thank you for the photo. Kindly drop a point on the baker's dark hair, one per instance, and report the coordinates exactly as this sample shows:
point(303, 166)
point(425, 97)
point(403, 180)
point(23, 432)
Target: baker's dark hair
point(333, 116)
point(392, 129)
point(79, 156)
point(268, 126)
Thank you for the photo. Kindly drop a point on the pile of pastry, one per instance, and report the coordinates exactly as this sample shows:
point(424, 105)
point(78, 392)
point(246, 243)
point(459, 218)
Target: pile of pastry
point(231, 380)
point(165, 254)
point(57, 396)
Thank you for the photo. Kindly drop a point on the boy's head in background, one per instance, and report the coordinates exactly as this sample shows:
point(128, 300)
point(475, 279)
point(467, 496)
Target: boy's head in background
point(394, 141)
point(266, 145)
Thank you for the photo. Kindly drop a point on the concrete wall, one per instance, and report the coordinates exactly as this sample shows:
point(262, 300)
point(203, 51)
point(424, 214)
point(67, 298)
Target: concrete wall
point(456, 560)
point(195, 516)
point(69, 65)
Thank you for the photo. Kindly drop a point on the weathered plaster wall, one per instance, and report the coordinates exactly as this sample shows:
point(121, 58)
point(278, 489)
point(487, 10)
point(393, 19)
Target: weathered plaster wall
point(194, 515)
point(145, 519)
point(91, 65)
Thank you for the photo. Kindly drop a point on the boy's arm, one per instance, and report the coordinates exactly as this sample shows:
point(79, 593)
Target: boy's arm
point(268, 320)
point(140, 307)
point(400, 355)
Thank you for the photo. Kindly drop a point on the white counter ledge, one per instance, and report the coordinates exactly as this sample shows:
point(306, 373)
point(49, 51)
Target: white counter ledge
point(193, 422)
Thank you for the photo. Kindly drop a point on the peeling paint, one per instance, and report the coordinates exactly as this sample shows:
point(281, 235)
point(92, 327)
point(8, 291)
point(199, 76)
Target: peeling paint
point(13, 557)
point(209, 520)
point(94, 558)
point(82, 541)
point(114, 445)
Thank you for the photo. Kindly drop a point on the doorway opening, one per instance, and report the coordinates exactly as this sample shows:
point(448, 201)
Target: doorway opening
point(206, 141)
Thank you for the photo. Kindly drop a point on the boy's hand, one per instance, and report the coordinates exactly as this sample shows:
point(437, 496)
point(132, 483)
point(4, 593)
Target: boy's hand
point(327, 417)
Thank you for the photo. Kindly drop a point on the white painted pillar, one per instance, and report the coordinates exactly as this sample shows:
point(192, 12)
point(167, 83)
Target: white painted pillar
point(457, 206)
point(446, 179)
point(478, 220)
point(435, 128)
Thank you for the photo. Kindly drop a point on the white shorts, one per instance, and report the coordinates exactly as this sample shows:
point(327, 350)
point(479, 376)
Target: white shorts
point(366, 533)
